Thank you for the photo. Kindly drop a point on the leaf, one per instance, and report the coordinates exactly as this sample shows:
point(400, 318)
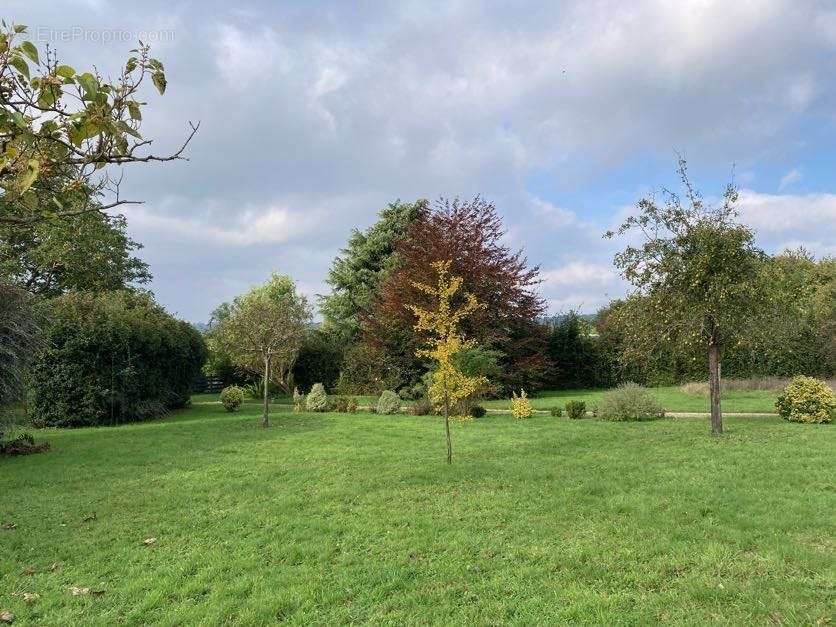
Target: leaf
point(149, 541)
point(29, 570)
point(55, 566)
point(49, 95)
point(29, 176)
point(89, 517)
point(29, 49)
point(20, 65)
point(89, 84)
point(130, 66)
point(20, 28)
point(65, 71)
point(30, 597)
point(7, 617)
point(79, 592)
point(159, 81)
point(9, 525)
point(134, 110)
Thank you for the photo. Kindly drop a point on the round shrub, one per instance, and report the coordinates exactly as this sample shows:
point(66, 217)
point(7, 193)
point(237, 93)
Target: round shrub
point(112, 357)
point(477, 411)
point(630, 403)
point(345, 404)
point(521, 407)
point(806, 399)
point(557, 412)
point(317, 399)
point(232, 397)
point(388, 403)
point(421, 407)
point(575, 409)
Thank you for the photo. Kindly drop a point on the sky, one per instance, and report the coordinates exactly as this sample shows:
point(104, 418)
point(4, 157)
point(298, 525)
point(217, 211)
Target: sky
point(315, 115)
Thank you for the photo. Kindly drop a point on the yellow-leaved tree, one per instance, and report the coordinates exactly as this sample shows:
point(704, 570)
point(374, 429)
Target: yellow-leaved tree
point(441, 324)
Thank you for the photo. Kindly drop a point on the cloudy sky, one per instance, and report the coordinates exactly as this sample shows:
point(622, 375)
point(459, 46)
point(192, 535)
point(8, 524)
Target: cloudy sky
point(314, 115)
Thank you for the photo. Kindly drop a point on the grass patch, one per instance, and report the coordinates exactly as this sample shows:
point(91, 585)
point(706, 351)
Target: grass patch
point(327, 518)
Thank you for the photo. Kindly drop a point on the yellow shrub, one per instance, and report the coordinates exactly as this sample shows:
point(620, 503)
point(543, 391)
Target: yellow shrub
point(806, 399)
point(520, 406)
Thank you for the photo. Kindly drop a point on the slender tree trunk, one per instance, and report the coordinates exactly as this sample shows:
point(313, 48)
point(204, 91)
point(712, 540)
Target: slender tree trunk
point(714, 386)
point(265, 418)
point(447, 430)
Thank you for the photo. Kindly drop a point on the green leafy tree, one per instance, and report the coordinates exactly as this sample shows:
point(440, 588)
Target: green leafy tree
point(263, 330)
point(61, 128)
point(91, 251)
point(356, 273)
point(697, 268)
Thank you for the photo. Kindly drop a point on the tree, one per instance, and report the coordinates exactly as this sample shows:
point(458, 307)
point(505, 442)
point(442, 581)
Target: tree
point(697, 270)
point(449, 383)
point(20, 327)
point(319, 360)
point(60, 129)
point(468, 234)
point(576, 356)
point(91, 251)
point(263, 330)
point(355, 275)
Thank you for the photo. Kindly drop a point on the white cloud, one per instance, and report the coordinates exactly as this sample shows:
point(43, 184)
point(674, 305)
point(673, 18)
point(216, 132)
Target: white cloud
point(793, 176)
point(579, 273)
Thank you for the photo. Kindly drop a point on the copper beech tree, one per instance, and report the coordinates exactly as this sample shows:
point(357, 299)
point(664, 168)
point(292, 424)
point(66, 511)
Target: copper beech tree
point(468, 235)
point(441, 326)
point(696, 273)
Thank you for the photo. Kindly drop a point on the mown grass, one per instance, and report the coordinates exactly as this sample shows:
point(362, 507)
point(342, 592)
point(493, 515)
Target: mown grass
point(672, 397)
point(355, 518)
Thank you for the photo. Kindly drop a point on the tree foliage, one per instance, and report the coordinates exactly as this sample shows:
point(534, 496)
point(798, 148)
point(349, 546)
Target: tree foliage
point(262, 331)
point(696, 271)
point(356, 273)
point(441, 325)
point(20, 326)
point(112, 357)
point(90, 252)
point(61, 128)
point(469, 235)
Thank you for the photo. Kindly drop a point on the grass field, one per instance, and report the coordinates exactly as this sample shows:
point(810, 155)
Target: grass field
point(335, 518)
point(673, 399)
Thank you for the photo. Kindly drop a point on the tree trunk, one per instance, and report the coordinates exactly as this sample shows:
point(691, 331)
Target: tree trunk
point(447, 430)
point(714, 386)
point(265, 418)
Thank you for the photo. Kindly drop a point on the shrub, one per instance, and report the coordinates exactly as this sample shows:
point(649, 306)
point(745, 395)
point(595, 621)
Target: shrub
point(520, 406)
point(388, 403)
point(630, 402)
point(232, 397)
point(298, 400)
point(575, 409)
point(806, 399)
point(112, 357)
point(557, 412)
point(421, 407)
point(345, 404)
point(317, 399)
point(477, 411)
point(20, 444)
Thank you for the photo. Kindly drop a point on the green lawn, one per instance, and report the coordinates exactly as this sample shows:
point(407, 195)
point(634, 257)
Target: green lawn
point(673, 399)
point(335, 519)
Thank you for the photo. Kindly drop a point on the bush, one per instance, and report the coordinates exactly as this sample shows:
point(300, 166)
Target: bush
point(112, 357)
point(421, 407)
point(575, 409)
point(477, 411)
point(20, 444)
point(232, 397)
point(557, 412)
point(317, 399)
point(630, 402)
point(520, 406)
point(806, 399)
point(345, 404)
point(298, 400)
point(389, 403)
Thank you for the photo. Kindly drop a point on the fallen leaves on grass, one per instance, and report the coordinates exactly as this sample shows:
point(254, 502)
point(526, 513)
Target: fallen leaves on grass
point(55, 566)
point(9, 525)
point(29, 570)
point(89, 517)
point(7, 617)
point(31, 597)
point(79, 592)
point(149, 541)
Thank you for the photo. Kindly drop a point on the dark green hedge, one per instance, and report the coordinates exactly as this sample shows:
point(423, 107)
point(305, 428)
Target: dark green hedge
point(112, 357)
